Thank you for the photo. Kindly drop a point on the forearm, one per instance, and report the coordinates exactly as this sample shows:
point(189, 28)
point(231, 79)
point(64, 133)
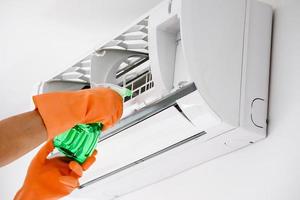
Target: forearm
point(20, 134)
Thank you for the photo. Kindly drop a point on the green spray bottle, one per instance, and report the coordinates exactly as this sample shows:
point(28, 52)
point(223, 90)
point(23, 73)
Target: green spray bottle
point(79, 142)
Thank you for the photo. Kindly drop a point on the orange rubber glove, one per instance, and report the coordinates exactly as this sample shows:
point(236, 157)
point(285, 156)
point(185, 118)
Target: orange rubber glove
point(51, 179)
point(61, 111)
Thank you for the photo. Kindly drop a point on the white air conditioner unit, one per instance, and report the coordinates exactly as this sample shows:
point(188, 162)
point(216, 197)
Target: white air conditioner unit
point(199, 71)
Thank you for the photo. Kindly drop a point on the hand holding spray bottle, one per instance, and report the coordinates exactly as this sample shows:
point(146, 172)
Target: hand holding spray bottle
point(79, 142)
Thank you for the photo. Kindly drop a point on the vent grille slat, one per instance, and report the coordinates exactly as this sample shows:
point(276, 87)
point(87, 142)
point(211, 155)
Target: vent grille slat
point(135, 38)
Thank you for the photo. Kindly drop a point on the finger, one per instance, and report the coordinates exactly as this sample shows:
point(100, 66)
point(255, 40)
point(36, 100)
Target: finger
point(94, 153)
point(89, 161)
point(106, 124)
point(76, 168)
point(69, 181)
point(45, 150)
point(119, 112)
point(73, 174)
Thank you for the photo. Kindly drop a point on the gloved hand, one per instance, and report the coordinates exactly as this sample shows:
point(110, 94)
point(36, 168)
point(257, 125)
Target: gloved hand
point(61, 111)
point(51, 179)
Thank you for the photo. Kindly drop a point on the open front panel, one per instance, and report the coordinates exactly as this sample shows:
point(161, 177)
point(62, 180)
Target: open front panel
point(152, 135)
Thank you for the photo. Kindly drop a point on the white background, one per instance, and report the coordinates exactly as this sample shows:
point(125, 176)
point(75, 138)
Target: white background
point(38, 39)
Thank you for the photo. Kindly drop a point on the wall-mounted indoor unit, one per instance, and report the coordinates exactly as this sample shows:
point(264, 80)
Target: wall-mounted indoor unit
point(199, 72)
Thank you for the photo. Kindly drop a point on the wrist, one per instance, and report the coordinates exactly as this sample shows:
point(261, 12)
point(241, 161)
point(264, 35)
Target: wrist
point(40, 125)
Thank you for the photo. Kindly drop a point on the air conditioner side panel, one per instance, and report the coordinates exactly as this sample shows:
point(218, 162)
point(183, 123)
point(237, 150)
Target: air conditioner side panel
point(212, 34)
point(256, 66)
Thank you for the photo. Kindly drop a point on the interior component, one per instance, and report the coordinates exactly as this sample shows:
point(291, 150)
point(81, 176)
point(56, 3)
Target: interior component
point(131, 63)
point(148, 111)
point(139, 84)
point(107, 65)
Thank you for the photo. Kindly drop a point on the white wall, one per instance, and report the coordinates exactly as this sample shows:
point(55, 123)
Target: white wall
point(38, 38)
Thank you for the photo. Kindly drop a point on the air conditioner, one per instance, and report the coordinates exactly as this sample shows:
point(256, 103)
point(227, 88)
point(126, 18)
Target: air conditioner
point(199, 72)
